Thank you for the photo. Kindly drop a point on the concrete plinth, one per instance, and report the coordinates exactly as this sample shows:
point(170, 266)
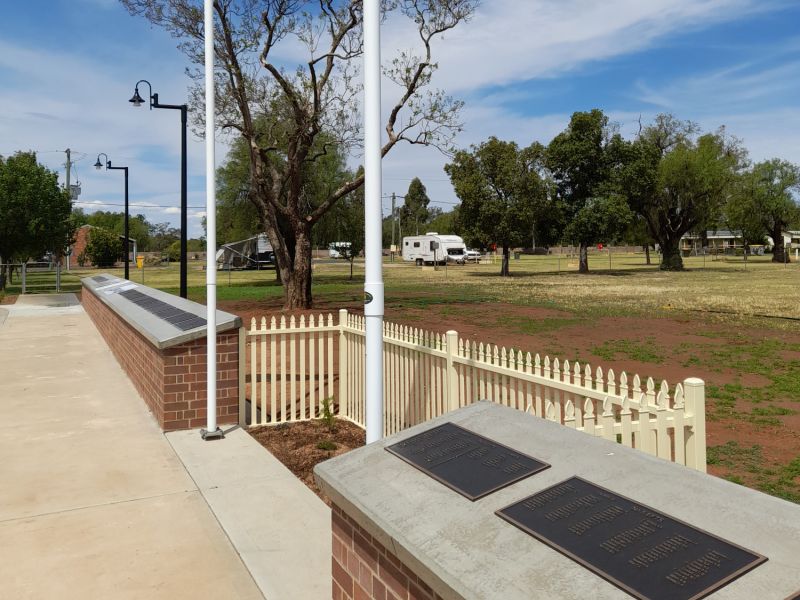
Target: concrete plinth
point(397, 528)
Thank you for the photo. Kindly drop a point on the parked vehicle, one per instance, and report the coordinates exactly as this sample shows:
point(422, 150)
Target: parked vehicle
point(433, 248)
point(253, 253)
point(472, 256)
point(338, 249)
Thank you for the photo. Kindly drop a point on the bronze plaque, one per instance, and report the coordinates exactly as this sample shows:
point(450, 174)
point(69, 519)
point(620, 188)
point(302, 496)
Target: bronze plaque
point(648, 554)
point(466, 462)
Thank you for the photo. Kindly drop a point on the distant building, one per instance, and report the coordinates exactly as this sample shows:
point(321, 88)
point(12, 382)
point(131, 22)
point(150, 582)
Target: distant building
point(79, 247)
point(82, 239)
point(718, 241)
point(723, 240)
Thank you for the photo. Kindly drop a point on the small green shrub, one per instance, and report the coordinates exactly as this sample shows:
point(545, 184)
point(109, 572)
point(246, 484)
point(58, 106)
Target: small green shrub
point(327, 445)
point(104, 247)
point(328, 418)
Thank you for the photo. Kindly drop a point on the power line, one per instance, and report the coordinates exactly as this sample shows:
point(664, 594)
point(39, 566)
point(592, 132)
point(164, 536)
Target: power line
point(133, 205)
point(412, 178)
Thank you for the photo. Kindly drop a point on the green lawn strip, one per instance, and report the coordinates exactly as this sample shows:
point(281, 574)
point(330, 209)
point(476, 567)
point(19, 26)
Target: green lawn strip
point(746, 466)
point(533, 326)
point(646, 352)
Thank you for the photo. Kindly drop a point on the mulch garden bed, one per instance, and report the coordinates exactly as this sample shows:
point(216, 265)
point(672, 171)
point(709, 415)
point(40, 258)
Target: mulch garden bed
point(303, 444)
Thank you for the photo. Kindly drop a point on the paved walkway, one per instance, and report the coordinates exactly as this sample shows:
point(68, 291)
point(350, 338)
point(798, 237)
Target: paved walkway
point(280, 528)
point(94, 502)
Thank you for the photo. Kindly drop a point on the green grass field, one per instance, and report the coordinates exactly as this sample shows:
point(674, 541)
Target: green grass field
point(727, 285)
point(735, 325)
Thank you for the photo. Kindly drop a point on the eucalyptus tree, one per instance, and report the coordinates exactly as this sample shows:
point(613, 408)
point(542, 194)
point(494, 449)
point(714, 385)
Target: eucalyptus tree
point(502, 190)
point(415, 205)
point(766, 201)
point(678, 182)
point(583, 160)
point(260, 71)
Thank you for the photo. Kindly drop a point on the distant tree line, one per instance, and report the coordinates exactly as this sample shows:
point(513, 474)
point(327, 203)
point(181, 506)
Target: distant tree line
point(589, 185)
point(105, 246)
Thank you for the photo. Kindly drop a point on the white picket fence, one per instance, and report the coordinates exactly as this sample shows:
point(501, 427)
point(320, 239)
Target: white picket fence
point(296, 363)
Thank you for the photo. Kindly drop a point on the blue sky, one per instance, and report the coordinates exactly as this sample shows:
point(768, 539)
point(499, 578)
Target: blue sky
point(67, 69)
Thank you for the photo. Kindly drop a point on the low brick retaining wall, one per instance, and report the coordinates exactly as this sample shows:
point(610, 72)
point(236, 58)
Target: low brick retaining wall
point(363, 568)
point(171, 380)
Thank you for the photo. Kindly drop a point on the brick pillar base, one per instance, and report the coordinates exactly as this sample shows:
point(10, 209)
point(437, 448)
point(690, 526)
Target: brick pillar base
point(365, 569)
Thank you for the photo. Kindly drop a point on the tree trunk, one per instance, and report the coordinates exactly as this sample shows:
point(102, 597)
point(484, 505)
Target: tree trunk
point(504, 272)
point(779, 253)
point(352, 260)
point(647, 253)
point(671, 254)
point(292, 247)
point(583, 261)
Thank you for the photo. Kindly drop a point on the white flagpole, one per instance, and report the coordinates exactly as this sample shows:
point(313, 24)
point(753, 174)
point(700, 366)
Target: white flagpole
point(211, 431)
point(373, 229)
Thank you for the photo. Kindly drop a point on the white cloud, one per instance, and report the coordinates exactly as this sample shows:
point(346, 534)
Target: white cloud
point(509, 41)
point(60, 100)
point(738, 87)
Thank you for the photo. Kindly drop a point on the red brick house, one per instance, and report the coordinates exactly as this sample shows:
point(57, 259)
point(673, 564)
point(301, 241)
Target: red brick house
point(82, 239)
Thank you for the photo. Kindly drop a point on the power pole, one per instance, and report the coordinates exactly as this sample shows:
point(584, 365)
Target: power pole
point(69, 165)
point(69, 191)
point(394, 218)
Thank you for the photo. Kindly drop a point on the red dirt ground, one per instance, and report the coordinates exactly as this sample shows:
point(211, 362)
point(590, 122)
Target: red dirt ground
point(295, 445)
point(557, 333)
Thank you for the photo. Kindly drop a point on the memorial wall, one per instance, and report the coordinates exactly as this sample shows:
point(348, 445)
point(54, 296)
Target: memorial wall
point(160, 341)
point(490, 503)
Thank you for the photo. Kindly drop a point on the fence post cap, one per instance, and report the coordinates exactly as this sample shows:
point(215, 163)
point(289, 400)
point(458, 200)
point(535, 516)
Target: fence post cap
point(693, 381)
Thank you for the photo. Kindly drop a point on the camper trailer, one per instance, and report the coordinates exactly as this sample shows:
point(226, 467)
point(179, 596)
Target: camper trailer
point(339, 249)
point(252, 253)
point(433, 248)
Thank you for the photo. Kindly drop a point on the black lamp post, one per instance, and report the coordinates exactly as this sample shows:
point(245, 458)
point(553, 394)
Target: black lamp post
point(137, 100)
point(98, 165)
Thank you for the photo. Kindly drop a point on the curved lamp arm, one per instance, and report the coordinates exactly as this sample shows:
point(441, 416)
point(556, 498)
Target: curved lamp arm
point(98, 165)
point(137, 100)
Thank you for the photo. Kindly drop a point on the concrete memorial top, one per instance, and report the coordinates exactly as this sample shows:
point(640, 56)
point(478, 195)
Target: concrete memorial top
point(604, 521)
point(164, 319)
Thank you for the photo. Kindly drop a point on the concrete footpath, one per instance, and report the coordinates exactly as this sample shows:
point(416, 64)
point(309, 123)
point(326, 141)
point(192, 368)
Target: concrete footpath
point(280, 528)
point(94, 502)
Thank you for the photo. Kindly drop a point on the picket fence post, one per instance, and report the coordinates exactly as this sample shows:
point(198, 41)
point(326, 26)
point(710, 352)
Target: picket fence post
point(452, 374)
point(694, 393)
point(243, 377)
point(343, 367)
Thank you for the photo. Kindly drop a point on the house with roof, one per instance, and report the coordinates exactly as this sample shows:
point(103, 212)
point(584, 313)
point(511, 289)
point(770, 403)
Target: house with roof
point(726, 241)
point(78, 247)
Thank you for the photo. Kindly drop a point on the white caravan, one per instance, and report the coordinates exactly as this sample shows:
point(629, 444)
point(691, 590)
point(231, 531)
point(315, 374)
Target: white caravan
point(433, 248)
point(338, 249)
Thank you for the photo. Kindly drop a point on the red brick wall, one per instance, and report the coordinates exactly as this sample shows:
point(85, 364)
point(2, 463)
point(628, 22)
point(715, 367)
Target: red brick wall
point(81, 239)
point(365, 569)
point(172, 381)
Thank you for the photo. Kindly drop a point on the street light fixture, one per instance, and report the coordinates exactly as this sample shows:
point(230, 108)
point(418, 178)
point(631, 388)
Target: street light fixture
point(137, 100)
point(98, 165)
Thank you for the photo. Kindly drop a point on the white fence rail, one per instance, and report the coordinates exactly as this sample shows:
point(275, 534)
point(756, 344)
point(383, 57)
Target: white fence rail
point(296, 363)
